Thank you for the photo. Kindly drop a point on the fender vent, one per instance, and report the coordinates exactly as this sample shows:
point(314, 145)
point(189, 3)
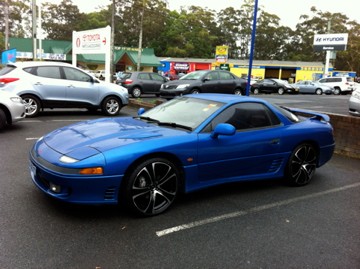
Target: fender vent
point(110, 193)
point(276, 164)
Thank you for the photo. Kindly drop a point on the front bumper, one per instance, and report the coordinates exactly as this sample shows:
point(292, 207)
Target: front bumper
point(73, 188)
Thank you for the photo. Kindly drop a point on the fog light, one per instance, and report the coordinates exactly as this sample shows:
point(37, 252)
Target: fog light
point(55, 188)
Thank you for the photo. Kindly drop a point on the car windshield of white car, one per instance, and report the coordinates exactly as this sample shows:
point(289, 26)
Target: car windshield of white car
point(184, 112)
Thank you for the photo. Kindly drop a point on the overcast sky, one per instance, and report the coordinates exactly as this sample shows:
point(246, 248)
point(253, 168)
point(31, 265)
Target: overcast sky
point(288, 11)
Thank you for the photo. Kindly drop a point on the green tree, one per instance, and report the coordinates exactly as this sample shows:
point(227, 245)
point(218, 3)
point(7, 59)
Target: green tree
point(59, 21)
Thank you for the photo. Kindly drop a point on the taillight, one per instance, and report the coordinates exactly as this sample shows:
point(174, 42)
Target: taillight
point(8, 80)
point(128, 81)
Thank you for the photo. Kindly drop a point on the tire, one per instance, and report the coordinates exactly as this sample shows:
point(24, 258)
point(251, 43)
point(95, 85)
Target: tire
point(195, 91)
point(302, 165)
point(3, 120)
point(136, 92)
point(337, 91)
point(281, 91)
point(32, 105)
point(111, 106)
point(318, 91)
point(152, 187)
point(238, 92)
point(256, 91)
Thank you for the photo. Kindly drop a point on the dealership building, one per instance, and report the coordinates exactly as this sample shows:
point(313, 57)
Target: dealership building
point(126, 59)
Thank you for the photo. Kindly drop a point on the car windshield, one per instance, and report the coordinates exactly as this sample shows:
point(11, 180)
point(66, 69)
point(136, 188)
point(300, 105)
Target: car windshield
point(183, 111)
point(194, 75)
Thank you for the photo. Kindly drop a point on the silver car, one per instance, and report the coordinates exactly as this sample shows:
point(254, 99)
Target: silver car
point(354, 103)
point(313, 87)
point(60, 85)
point(12, 109)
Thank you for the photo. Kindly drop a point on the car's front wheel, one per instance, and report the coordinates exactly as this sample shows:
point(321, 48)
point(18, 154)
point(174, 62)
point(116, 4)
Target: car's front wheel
point(195, 91)
point(111, 106)
point(2, 119)
point(256, 91)
point(281, 91)
point(152, 187)
point(302, 165)
point(136, 92)
point(32, 105)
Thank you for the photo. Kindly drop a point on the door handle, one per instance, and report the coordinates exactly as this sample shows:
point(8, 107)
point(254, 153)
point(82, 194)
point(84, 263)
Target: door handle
point(275, 141)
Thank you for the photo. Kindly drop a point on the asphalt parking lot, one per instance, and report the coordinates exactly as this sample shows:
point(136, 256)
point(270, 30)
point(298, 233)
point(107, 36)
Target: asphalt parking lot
point(246, 225)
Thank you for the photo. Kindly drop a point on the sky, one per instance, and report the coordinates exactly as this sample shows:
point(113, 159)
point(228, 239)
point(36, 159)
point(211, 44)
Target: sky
point(288, 11)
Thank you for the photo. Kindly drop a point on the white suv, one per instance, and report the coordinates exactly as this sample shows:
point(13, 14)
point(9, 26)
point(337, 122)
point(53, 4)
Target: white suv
point(341, 85)
point(58, 85)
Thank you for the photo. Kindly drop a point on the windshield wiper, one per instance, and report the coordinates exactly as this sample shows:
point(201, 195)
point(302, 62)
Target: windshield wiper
point(174, 124)
point(148, 119)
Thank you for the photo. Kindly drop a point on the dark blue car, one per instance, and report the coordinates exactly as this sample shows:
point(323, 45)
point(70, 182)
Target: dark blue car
point(186, 144)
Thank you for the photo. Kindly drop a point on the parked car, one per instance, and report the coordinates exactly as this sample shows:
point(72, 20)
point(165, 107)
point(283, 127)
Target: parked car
point(312, 87)
point(183, 145)
point(100, 74)
point(204, 81)
point(341, 85)
point(55, 85)
point(272, 85)
point(354, 103)
point(139, 83)
point(12, 108)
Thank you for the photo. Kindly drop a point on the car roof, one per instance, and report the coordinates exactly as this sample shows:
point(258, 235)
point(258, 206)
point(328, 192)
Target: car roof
point(37, 63)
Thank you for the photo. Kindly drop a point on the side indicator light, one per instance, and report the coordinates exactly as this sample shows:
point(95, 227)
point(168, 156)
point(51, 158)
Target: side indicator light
point(92, 171)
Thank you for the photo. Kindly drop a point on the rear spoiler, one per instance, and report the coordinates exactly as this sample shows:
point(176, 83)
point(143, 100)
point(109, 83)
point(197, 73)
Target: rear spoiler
point(310, 114)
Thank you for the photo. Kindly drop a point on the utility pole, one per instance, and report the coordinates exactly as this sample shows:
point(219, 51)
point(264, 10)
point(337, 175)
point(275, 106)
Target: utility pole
point(34, 28)
point(112, 64)
point(6, 9)
point(140, 36)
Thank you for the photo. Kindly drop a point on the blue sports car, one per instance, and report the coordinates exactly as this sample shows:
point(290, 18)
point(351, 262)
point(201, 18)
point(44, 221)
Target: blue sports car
point(186, 144)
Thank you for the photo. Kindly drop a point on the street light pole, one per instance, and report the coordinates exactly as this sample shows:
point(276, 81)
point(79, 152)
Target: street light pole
point(34, 28)
point(6, 9)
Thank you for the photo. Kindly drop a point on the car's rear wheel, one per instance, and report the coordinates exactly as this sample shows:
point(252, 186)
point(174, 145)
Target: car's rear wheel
point(32, 105)
point(302, 165)
point(337, 91)
point(318, 91)
point(237, 92)
point(152, 187)
point(2, 119)
point(256, 91)
point(281, 91)
point(111, 106)
point(136, 92)
point(195, 91)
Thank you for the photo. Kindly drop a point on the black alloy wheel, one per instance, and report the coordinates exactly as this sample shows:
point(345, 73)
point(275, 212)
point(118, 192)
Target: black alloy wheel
point(302, 165)
point(152, 187)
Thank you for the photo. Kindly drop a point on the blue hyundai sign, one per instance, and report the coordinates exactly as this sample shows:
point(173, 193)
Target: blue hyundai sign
point(8, 56)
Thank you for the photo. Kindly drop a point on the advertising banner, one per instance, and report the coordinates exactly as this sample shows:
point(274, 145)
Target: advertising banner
point(221, 54)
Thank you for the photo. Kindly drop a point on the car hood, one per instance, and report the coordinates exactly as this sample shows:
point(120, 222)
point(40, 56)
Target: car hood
point(89, 138)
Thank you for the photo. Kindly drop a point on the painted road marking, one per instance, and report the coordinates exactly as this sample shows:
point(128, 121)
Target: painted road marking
point(251, 210)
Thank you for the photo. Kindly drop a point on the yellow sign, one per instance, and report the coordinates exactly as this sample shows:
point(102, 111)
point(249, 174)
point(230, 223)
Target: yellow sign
point(221, 54)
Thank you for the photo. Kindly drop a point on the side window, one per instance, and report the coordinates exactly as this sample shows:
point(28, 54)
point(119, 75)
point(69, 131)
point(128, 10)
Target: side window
point(48, 72)
point(157, 77)
point(74, 74)
point(144, 76)
point(212, 76)
point(245, 116)
point(226, 76)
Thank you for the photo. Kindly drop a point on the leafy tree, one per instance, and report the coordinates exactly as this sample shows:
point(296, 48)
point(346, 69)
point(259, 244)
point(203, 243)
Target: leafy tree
point(59, 21)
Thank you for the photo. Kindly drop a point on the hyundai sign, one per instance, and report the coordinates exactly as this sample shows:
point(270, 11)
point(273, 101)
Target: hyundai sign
point(330, 42)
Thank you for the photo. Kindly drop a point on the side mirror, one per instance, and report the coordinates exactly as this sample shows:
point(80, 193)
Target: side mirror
point(223, 129)
point(141, 111)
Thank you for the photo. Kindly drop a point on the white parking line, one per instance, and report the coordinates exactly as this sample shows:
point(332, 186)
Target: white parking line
point(251, 210)
point(31, 138)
